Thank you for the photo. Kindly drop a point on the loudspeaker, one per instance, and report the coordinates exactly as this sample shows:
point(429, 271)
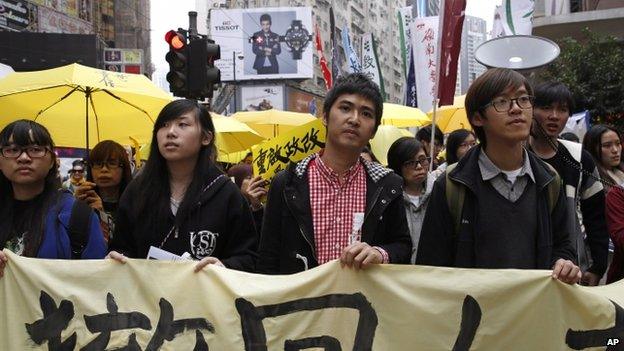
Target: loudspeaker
point(517, 52)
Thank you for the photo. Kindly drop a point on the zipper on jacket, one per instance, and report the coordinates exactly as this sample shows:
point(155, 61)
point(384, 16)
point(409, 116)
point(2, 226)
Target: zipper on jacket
point(375, 197)
point(301, 229)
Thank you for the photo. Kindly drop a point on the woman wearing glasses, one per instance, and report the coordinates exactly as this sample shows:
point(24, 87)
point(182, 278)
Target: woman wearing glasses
point(34, 215)
point(407, 158)
point(109, 172)
point(458, 144)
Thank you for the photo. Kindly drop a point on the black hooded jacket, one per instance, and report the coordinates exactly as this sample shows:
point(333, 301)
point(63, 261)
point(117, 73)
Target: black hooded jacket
point(219, 225)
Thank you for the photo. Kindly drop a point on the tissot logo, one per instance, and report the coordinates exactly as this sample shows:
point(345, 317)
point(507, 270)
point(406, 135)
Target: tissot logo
point(227, 25)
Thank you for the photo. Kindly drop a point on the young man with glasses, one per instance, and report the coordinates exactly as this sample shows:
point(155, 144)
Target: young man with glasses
point(333, 205)
point(584, 191)
point(509, 206)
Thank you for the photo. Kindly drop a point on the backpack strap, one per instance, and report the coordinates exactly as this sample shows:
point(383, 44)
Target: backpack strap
point(554, 188)
point(78, 230)
point(455, 195)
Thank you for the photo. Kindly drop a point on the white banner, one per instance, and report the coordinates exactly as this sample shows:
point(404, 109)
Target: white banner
point(424, 45)
point(517, 17)
point(160, 305)
point(352, 57)
point(268, 43)
point(405, 18)
point(370, 65)
point(262, 97)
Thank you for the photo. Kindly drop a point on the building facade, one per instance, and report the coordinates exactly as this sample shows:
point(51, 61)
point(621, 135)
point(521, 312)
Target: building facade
point(474, 34)
point(556, 19)
point(361, 16)
point(113, 23)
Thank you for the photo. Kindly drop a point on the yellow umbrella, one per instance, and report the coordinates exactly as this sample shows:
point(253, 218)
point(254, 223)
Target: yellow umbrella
point(234, 157)
point(271, 123)
point(403, 116)
point(453, 117)
point(233, 136)
point(385, 136)
point(81, 105)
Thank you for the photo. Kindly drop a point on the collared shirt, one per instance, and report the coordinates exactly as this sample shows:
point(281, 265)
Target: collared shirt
point(334, 206)
point(499, 180)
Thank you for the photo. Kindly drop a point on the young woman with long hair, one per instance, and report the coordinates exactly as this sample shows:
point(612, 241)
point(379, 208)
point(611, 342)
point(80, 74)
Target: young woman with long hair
point(109, 172)
point(605, 145)
point(181, 202)
point(457, 145)
point(35, 216)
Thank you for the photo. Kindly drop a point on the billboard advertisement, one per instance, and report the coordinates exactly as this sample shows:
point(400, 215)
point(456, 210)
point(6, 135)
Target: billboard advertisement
point(301, 101)
point(51, 21)
point(262, 97)
point(18, 15)
point(123, 60)
point(264, 43)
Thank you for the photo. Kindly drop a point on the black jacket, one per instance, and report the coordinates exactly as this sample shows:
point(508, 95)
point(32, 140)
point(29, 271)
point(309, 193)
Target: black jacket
point(439, 246)
point(220, 225)
point(287, 240)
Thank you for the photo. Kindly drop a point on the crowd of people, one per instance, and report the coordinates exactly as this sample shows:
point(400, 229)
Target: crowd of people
point(511, 193)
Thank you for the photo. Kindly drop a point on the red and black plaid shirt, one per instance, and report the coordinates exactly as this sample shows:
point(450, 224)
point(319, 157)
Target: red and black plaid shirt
point(333, 207)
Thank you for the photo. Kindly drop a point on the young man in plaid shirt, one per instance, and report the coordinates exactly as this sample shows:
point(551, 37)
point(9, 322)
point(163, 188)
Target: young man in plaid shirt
point(335, 205)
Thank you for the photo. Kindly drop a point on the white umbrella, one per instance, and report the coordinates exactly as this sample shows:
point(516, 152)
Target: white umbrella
point(5, 70)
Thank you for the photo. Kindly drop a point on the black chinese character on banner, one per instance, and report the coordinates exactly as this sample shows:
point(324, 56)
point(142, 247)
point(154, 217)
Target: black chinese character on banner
point(54, 321)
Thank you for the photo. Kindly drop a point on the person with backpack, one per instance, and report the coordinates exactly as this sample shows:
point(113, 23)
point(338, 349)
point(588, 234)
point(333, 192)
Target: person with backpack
point(499, 206)
point(181, 202)
point(36, 219)
point(333, 204)
point(584, 191)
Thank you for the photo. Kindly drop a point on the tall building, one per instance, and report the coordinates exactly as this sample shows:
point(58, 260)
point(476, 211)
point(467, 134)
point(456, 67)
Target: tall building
point(104, 24)
point(556, 19)
point(132, 28)
point(473, 34)
point(361, 16)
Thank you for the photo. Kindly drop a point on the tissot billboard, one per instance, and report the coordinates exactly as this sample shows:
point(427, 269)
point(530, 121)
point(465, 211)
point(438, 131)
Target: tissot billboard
point(268, 43)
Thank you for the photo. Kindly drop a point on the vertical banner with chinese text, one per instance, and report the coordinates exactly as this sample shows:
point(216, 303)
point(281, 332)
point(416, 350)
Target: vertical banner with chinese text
point(424, 46)
point(370, 62)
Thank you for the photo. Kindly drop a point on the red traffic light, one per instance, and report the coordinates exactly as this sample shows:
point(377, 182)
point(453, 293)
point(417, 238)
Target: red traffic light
point(175, 39)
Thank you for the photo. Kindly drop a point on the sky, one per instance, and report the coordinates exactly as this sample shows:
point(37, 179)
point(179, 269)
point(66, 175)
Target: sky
point(166, 16)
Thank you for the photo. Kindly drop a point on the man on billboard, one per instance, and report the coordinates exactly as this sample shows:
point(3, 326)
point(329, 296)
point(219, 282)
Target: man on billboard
point(266, 46)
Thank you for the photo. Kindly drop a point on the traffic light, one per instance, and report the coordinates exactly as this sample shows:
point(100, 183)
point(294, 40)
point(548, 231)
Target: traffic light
point(178, 59)
point(212, 72)
point(202, 73)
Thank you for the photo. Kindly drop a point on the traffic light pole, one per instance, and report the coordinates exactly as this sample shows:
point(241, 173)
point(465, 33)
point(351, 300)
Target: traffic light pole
point(192, 73)
point(234, 74)
point(192, 23)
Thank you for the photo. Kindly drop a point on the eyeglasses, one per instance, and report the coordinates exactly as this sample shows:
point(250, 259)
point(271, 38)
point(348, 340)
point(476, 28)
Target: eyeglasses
point(423, 161)
point(469, 144)
point(77, 170)
point(504, 104)
point(15, 151)
point(108, 164)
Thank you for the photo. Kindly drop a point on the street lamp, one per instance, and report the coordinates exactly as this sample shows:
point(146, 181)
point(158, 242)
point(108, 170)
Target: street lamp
point(240, 57)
